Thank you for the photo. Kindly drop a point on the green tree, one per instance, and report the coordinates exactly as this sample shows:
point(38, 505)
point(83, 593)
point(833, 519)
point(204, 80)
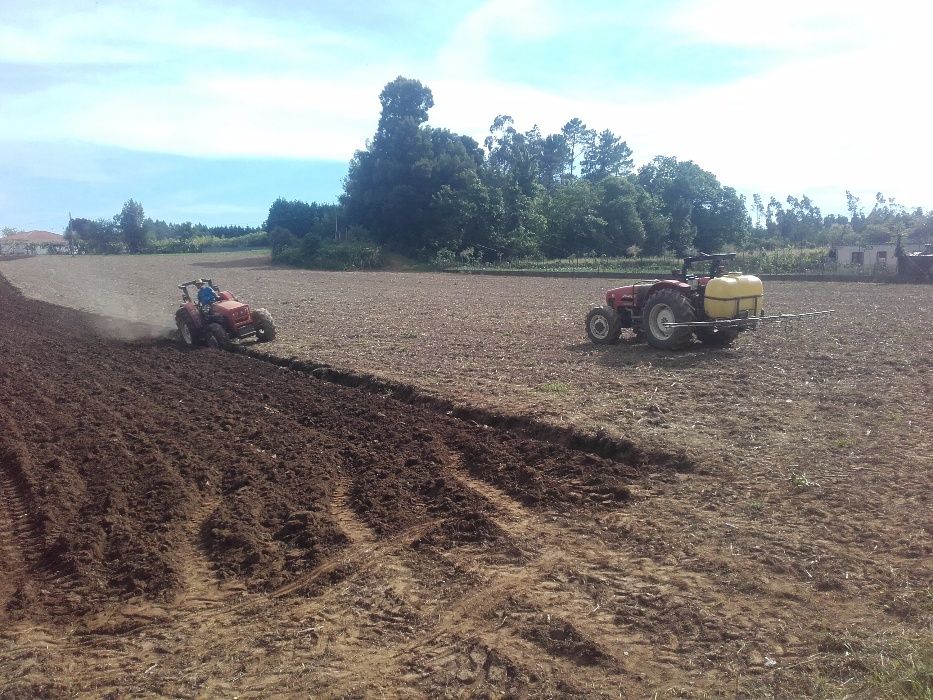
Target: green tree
point(404, 101)
point(297, 217)
point(607, 154)
point(407, 188)
point(130, 222)
point(574, 224)
point(606, 218)
point(803, 222)
point(759, 210)
point(102, 236)
point(856, 213)
point(702, 213)
point(513, 154)
point(553, 155)
point(578, 139)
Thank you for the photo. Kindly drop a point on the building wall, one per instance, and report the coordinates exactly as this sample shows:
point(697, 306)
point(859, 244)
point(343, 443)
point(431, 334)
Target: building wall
point(26, 248)
point(870, 256)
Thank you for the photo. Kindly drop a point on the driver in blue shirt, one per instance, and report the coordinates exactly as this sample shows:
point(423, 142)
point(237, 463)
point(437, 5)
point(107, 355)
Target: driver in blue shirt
point(206, 294)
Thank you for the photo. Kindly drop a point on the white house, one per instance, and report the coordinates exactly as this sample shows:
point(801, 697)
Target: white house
point(33, 243)
point(877, 257)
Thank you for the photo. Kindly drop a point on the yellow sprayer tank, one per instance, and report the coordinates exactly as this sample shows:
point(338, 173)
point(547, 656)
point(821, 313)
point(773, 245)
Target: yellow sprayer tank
point(732, 295)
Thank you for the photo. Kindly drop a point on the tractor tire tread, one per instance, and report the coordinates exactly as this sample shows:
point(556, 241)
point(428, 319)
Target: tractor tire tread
point(683, 313)
point(265, 326)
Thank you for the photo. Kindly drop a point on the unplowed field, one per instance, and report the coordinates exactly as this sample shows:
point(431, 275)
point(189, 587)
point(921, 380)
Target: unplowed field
point(502, 510)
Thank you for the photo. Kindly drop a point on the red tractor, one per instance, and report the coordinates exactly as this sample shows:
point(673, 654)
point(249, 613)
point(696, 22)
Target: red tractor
point(221, 323)
point(715, 307)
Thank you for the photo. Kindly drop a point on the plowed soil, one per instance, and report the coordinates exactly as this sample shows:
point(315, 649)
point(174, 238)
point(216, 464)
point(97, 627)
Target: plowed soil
point(199, 523)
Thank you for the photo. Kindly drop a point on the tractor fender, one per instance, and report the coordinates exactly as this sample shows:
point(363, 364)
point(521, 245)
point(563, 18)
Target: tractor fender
point(190, 313)
point(669, 284)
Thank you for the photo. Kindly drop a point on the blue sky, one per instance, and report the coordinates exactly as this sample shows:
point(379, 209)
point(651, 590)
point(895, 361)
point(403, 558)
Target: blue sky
point(208, 111)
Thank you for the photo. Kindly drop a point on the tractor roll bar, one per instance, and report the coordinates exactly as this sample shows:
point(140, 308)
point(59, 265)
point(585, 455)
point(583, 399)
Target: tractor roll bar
point(208, 282)
point(700, 257)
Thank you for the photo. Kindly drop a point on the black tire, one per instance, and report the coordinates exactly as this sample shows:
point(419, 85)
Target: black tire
point(717, 337)
point(602, 326)
point(265, 326)
point(671, 306)
point(185, 331)
point(216, 337)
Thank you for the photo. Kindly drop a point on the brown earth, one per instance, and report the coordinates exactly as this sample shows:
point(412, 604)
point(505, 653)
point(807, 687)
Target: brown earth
point(198, 523)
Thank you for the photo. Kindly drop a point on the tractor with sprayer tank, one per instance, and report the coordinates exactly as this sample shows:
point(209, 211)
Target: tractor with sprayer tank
point(714, 307)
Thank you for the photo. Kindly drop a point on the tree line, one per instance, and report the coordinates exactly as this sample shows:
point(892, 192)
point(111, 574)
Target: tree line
point(426, 191)
point(800, 223)
point(429, 193)
point(421, 190)
point(131, 231)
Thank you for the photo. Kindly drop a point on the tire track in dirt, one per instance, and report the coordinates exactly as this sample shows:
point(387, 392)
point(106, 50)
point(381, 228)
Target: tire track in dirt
point(515, 517)
point(22, 547)
point(356, 530)
point(14, 534)
point(585, 574)
point(485, 613)
point(201, 586)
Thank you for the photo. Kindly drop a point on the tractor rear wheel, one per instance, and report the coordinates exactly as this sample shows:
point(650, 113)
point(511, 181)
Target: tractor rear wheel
point(185, 331)
point(717, 337)
point(216, 337)
point(667, 306)
point(265, 326)
point(602, 325)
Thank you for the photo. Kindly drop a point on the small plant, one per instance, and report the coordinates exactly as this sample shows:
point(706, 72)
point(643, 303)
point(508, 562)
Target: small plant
point(801, 480)
point(555, 387)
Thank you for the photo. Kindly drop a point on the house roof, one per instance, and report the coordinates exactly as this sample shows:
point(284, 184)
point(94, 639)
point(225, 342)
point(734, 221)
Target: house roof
point(40, 237)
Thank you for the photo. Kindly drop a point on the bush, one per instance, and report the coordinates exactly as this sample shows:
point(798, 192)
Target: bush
point(281, 240)
point(199, 244)
point(310, 252)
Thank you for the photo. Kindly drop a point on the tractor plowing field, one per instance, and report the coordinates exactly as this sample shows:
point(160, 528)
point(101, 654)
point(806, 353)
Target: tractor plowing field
point(549, 518)
point(222, 323)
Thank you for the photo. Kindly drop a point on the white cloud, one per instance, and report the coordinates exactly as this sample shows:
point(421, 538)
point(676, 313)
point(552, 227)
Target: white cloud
point(813, 25)
point(466, 52)
point(847, 106)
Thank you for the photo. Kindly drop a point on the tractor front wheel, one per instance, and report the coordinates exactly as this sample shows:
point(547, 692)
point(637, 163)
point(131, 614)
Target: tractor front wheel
point(265, 326)
point(602, 325)
point(217, 337)
point(663, 307)
point(717, 337)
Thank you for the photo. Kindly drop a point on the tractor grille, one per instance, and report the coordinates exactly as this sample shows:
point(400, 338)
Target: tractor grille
point(241, 314)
